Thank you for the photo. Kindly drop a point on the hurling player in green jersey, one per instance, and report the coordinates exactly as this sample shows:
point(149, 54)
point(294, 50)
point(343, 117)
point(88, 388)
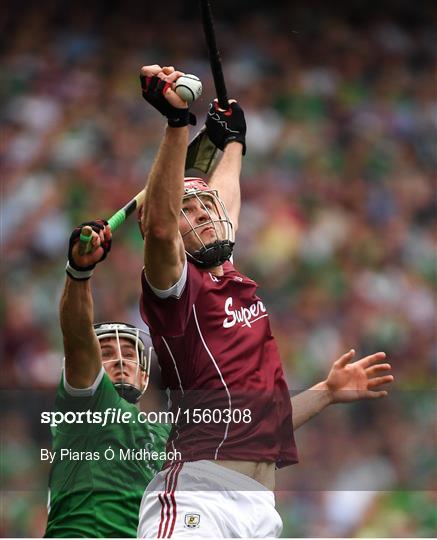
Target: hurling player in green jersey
point(106, 367)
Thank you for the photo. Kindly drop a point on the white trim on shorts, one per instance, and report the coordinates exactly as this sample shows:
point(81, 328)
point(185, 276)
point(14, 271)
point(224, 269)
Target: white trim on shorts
point(213, 494)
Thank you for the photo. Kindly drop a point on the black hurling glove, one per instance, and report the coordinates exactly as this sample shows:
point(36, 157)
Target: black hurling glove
point(224, 127)
point(81, 272)
point(153, 89)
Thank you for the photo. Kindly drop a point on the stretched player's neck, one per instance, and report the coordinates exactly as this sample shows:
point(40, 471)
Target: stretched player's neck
point(215, 270)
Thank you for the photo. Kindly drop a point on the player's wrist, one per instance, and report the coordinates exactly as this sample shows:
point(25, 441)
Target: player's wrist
point(236, 145)
point(176, 134)
point(78, 274)
point(181, 118)
point(325, 393)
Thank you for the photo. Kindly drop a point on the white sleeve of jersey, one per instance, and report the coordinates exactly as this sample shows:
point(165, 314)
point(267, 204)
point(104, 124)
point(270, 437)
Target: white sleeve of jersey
point(83, 392)
point(175, 290)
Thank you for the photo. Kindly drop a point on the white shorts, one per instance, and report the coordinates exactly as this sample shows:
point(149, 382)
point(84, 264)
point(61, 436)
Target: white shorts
point(204, 500)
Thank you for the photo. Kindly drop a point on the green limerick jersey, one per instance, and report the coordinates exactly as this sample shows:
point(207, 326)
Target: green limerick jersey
point(100, 497)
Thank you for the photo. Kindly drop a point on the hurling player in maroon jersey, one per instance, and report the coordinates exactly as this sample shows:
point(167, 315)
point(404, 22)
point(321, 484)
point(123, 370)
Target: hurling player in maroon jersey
point(233, 416)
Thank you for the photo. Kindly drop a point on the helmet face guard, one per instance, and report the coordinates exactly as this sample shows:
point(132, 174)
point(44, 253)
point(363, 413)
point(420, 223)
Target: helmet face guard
point(127, 390)
point(219, 251)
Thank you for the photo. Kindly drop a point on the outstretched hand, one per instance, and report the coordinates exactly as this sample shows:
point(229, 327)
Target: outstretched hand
point(82, 262)
point(351, 381)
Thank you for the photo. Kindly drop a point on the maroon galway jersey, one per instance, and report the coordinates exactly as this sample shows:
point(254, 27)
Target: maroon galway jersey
point(218, 357)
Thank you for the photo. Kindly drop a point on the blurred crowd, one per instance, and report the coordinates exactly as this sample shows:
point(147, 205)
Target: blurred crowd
point(338, 222)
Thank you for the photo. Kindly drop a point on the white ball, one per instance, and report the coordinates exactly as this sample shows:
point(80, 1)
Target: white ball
point(188, 87)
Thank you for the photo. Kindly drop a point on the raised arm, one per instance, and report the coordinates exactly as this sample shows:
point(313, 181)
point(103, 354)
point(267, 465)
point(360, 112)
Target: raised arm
point(346, 382)
point(226, 180)
point(164, 254)
point(82, 351)
point(227, 130)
